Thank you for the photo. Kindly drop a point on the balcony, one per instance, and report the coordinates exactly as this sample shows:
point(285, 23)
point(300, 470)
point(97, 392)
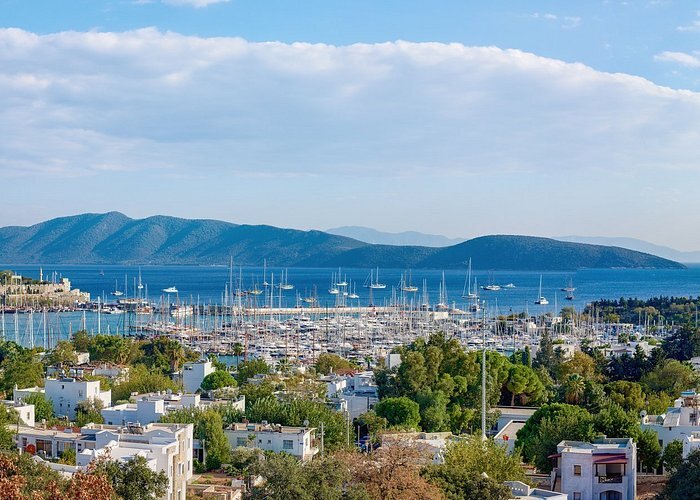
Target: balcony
point(610, 479)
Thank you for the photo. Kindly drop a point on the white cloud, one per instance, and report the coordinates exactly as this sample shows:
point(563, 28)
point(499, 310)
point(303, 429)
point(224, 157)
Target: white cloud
point(693, 26)
point(566, 22)
point(682, 58)
point(82, 103)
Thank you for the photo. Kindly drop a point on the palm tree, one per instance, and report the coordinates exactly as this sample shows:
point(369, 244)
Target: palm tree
point(237, 349)
point(574, 387)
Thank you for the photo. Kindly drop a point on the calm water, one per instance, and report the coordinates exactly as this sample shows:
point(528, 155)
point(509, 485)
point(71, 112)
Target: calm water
point(208, 285)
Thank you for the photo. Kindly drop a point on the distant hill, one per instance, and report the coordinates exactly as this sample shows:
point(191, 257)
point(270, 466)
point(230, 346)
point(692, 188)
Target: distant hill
point(635, 244)
point(532, 253)
point(114, 238)
point(411, 238)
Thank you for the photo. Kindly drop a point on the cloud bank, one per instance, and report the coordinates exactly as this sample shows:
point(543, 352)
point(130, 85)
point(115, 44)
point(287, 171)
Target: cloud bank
point(146, 99)
point(342, 126)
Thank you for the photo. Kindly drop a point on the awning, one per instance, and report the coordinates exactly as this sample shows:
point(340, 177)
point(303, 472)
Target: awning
point(556, 455)
point(610, 459)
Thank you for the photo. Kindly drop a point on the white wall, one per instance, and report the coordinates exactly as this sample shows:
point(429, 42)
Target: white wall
point(194, 373)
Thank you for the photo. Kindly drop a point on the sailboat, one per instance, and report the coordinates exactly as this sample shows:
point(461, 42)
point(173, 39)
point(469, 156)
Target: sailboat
point(265, 283)
point(117, 292)
point(255, 290)
point(467, 292)
point(491, 287)
point(541, 301)
point(140, 285)
point(285, 285)
point(376, 285)
point(442, 301)
point(333, 290)
point(408, 287)
point(569, 290)
point(353, 295)
point(340, 282)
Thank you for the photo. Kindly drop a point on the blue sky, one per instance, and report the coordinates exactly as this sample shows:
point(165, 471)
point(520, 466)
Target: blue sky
point(452, 117)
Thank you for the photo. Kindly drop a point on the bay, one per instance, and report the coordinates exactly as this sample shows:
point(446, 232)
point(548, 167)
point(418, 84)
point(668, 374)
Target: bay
point(208, 284)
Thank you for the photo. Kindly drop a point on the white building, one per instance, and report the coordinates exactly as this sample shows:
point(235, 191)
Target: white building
point(682, 420)
point(603, 470)
point(690, 444)
point(194, 373)
point(297, 441)
point(150, 408)
point(66, 393)
point(25, 412)
point(166, 447)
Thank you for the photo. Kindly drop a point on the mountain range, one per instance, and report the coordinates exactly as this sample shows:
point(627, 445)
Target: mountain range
point(635, 244)
point(114, 238)
point(369, 235)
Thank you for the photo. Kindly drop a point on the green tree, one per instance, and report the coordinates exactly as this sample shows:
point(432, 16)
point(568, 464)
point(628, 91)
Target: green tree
point(672, 457)
point(88, 410)
point(458, 484)
point(43, 408)
point(68, 456)
point(671, 377)
point(524, 384)
point(629, 395)
point(142, 380)
point(476, 457)
point(251, 368)
point(287, 478)
point(399, 412)
point(648, 449)
point(327, 363)
point(614, 422)
point(134, 479)
point(555, 429)
point(567, 421)
point(683, 483)
point(218, 380)
point(166, 355)
point(81, 341)
point(209, 428)
point(8, 418)
point(580, 364)
point(21, 368)
point(684, 343)
point(298, 411)
point(63, 353)
point(574, 388)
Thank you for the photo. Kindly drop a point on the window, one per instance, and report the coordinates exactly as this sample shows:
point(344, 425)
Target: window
point(241, 441)
point(577, 470)
point(288, 444)
point(80, 394)
point(577, 495)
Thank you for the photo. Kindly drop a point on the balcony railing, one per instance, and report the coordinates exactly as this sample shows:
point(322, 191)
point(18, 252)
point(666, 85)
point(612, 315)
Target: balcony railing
point(609, 479)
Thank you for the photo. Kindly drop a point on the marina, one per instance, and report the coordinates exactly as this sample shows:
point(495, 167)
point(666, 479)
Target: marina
point(217, 310)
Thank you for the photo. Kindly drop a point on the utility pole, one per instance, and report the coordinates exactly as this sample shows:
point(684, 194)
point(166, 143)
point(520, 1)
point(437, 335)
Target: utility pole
point(483, 374)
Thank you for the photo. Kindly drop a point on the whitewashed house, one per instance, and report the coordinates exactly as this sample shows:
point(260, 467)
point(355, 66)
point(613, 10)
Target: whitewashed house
point(193, 374)
point(679, 421)
point(605, 469)
point(297, 441)
point(66, 393)
point(166, 447)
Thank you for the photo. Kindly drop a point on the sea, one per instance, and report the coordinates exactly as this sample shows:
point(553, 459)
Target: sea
point(210, 285)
